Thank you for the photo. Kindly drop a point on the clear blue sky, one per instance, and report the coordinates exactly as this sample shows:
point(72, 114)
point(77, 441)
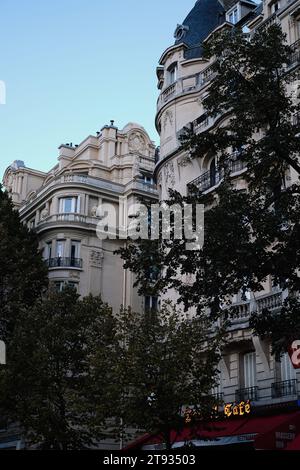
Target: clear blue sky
point(72, 65)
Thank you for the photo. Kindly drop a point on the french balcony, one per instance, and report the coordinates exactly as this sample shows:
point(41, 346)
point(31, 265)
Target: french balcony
point(246, 394)
point(218, 397)
point(284, 389)
point(65, 263)
point(209, 180)
point(295, 55)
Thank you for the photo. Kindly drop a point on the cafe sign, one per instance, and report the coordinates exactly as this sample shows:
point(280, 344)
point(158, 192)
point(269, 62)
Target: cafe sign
point(237, 409)
point(230, 410)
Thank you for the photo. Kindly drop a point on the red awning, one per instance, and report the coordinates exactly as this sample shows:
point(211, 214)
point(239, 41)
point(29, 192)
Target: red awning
point(216, 433)
point(294, 445)
point(285, 435)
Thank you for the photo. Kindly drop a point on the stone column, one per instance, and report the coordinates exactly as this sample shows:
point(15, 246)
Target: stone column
point(87, 200)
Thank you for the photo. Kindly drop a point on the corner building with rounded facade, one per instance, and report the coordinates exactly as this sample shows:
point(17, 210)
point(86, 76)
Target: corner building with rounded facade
point(248, 371)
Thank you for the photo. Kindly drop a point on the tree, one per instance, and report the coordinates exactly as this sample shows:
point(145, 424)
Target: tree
point(49, 385)
point(166, 361)
point(253, 233)
point(23, 273)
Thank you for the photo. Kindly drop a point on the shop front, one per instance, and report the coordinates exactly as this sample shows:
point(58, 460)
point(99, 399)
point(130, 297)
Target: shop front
point(274, 427)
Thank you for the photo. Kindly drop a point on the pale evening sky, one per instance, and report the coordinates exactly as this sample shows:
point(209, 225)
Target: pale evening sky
point(72, 65)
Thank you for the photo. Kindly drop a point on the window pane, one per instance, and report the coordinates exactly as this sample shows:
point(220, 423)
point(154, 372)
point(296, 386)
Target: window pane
point(60, 245)
point(287, 370)
point(75, 249)
point(68, 202)
point(250, 370)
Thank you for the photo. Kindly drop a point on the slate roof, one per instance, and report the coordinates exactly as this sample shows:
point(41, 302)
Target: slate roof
point(202, 19)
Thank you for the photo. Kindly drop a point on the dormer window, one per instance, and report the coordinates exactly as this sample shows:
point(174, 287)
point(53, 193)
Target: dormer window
point(232, 15)
point(172, 74)
point(275, 7)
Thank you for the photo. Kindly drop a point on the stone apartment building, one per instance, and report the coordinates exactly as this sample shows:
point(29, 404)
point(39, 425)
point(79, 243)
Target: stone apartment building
point(64, 207)
point(248, 370)
point(62, 204)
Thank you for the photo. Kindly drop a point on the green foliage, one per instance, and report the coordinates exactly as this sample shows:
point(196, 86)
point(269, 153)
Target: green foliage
point(284, 329)
point(49, 384)
point(23, 273)
point(165, 361)
point(251, 233)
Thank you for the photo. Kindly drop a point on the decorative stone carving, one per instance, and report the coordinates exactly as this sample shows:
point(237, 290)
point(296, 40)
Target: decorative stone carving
point(184, 161)
point(44, 214)
point(168, 119)
point(94, 211)
point(74, 275)
point(136, 142)
point(169, 174)
point(8, 182)
point(96, 258)
point(136, 168)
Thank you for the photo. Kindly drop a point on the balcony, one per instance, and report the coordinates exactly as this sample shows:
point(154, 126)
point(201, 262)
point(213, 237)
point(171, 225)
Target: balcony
point(66, 219)
point(269, 302)
point(64, 263)
point(186, 85)
point(284, 389)
point(295, 55)
point(273, 19)
point(245, 394)
point(218, 397)
point(209, 179)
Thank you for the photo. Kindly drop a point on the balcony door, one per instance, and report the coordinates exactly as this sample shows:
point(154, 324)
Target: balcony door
point(287, 370)
point(60, 251)
point(250, 370)
point(75, 252)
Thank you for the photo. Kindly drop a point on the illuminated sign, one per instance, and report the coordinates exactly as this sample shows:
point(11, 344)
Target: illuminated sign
point(237, 409)
point(294, 353)
point(243, 408)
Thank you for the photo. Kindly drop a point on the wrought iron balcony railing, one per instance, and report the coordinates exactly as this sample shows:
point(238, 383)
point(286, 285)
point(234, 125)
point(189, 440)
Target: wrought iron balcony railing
point(65, 262)
point(219, 397)
point(284, 389)
point(210, 179)
point(245, 394)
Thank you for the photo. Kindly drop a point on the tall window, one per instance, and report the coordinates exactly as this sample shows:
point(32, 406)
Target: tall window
point(172, 74)
point(151, 303)
point(60, 248)
point(286, 368)
point(48, 250)
point(75, 251)
point(233, 16)
point(275, 7)
point(69, 205)
point(249, 370)
point(217, 389)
